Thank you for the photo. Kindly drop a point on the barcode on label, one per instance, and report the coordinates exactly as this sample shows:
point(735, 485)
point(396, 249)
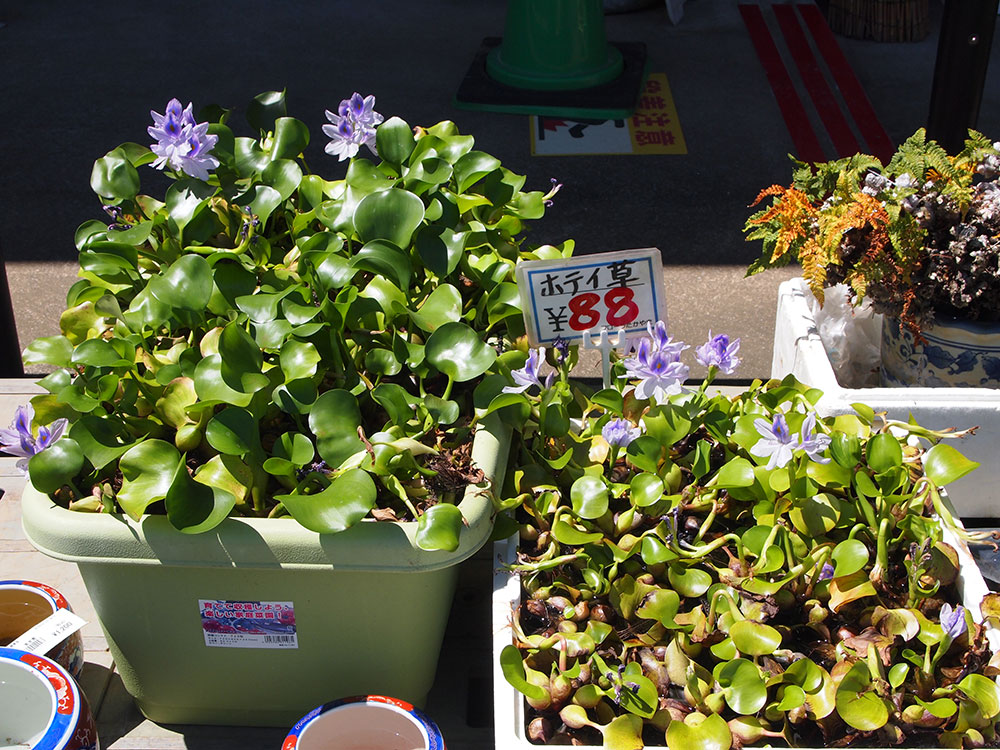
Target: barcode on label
point(279, 639)
point(32, 644)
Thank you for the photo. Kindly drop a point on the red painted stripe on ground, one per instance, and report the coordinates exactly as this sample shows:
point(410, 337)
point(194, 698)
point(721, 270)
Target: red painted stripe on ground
point(879, 143)
point(794, 114)
point(819, 90)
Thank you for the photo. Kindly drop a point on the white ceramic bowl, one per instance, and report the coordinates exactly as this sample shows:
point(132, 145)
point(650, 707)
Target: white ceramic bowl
point(43, 707)
point(365, 722)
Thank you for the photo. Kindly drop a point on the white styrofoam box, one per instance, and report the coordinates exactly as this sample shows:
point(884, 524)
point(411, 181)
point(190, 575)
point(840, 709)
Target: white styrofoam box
point(799, 350)
point(508, 703)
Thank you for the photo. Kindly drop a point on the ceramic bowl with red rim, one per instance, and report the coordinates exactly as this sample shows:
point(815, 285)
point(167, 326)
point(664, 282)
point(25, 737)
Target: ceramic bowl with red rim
point(24, 604)
point(42, 706)
point(365, 722)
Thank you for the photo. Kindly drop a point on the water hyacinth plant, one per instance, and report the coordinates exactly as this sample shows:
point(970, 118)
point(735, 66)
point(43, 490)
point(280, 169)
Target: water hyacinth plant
point(263, 341)
point(703, 571)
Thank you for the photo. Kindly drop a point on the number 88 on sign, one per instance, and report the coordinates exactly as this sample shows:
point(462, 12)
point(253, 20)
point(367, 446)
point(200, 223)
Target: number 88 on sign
point(564, 297)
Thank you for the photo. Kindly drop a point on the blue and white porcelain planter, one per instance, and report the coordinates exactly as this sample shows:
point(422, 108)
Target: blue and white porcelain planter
point(954, 353)
point(24, 604)
point(373, 722)
point(41, 706)
point(799, 350)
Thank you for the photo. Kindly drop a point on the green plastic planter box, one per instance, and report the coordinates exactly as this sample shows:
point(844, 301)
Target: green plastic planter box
point(369, 607)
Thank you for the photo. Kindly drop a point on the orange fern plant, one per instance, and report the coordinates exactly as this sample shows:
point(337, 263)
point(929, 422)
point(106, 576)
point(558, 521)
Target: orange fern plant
point(919, 237)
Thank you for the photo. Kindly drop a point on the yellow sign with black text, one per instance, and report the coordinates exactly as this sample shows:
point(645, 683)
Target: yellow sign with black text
point(654, 128)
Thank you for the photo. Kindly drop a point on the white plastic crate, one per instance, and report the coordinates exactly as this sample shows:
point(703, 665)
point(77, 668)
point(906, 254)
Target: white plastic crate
point(799, 350)
point(508, 703)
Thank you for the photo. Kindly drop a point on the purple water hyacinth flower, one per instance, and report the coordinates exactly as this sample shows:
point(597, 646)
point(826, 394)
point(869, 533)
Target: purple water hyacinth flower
point(826, 573)
point(196, 160)
point(719, 352)
point(561, 346)
point(620, 432)
point(352, 127)
point(171, 123)
point(20, 441)
point(181, 143)
point(776, 442)
point(527, 376)
point(813, 443)
point(661, 342)
point(953, 620)
point(660, 373)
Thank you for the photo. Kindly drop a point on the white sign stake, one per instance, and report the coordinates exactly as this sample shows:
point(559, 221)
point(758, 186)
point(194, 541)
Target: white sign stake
point(606, 347)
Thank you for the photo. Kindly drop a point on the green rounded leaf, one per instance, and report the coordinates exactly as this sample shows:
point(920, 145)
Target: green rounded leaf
point(472, 167)
point(942, 708)
point(984, 692)
point(196, 507)
point(699, 732)
point(49, 350)
point(382, 362)
point(264, 109)
point(114, 177)
point(443, 411)
point(392, 215)
point(660, 605)
point(743, 685)
point(334, 420)
point(689, 581)
point(816, 515)
point(55, 466)
point(754, 638)
point(440, 248)
point(101, 440)
point(395, 400)
point(295, 396)
point(737, 472)
point(857, 707)
point(884, 452)
point(233, 431)
point(573, 534)
point(443, 305)
point(846, 450)
point(456, 350)
point(185, 285)
point(384, 259)
point(645, 489)
point(439, 528)
point(394, 140)
point(943, 464)
point(295, 447)
point(241, 360)
point(284, 176)
point(644, 453)
point(349, 498)
point(897, 675)
point(512, 666)
point(299, 359)
point(590, 497)
point(848, 557)
point(639, 695)
point(148, 471)
point(290, 139)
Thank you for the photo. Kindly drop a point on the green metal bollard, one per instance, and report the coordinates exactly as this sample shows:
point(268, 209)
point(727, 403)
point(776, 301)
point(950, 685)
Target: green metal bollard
point(554, 60)
point(554, 45)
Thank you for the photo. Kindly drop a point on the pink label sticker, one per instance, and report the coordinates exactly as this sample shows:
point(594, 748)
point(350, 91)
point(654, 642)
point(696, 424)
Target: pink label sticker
point(248, 624)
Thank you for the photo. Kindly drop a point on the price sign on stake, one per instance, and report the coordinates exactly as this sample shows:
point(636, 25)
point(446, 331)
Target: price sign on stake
point(564, 297)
